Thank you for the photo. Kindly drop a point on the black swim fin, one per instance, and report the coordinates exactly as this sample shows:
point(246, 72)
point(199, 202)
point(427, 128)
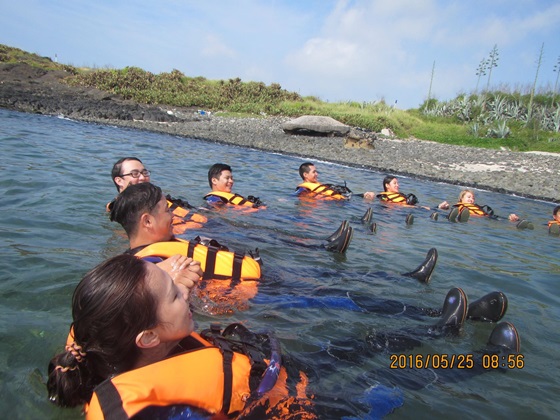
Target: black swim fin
point(343, 226)
point(366, 218)
point(464, 215)
point(341, 243)
point(504, 335)
point(452, 216)
point(525, 224)
point(409, 219)
point(372, 227)
point(424, 271)
point(454, 310)
point(434, 216)
point(489, 308)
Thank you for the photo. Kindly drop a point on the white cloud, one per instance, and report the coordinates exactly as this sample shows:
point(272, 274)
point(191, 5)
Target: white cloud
point(213, 46)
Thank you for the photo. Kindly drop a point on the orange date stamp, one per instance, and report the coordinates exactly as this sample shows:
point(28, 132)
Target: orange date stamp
point(456, 361)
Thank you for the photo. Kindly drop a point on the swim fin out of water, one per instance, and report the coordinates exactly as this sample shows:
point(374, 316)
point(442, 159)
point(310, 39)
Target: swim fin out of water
point(424, 271)
point(489, 308)
point(525, 224)
point(339, 241)
point(459, 215)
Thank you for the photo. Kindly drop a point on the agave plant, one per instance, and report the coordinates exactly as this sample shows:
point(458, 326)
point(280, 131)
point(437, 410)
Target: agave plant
point(474, 129)
point(501, 131)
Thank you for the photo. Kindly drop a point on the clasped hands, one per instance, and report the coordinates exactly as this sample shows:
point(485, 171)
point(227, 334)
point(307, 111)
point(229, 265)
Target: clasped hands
point(183, 270)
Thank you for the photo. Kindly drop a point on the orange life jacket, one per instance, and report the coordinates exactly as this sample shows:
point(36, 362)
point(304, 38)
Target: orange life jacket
point(215, 262)
point(473, 208)
point(203, 377)
point(322, 190)
point(236, 199)
point(181, 220)
point(392, 197)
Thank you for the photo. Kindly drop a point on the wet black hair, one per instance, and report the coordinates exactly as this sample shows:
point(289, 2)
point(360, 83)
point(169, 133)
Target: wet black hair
point(216, 170)
point(134, 201)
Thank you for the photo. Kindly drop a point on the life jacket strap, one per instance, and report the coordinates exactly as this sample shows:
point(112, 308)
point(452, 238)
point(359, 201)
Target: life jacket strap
point(228, 379)
point(190, 249)
point(240, 202)
point(210, 268)
point(236, 271)
point(110, 401)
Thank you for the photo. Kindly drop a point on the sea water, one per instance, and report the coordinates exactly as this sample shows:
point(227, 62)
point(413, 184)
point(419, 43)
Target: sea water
point(56, 181)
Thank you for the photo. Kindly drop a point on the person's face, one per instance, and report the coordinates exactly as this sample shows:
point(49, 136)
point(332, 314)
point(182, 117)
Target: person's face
point(129, 168)
point(162, 221)
point(312, 175)
point(557, 216)
point(175, 320)
point(224, 183)
point(468, 198)
point(393, 186)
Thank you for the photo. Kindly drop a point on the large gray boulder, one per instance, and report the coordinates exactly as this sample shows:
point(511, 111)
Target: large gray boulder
point(316, 125)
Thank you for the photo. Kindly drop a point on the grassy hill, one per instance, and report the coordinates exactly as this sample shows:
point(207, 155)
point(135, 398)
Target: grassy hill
point(490, 119)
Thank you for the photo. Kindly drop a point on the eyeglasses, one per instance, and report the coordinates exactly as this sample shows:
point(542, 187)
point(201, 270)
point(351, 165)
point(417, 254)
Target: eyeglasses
point(136, 173)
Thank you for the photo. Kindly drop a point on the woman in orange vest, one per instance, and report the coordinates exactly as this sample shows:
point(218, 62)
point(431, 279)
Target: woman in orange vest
point(466, 200)
point(392, 194)
point(554, 224)
point(133, 348)
point(133, 351)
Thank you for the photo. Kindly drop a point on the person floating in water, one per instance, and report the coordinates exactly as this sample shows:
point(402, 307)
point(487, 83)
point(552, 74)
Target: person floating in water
point(311, 187)
point(230, 278)
point(131, 171)
point(391, 194)
point(466, 207)
point(554, 224)
point(220, 179)
point(133, 352)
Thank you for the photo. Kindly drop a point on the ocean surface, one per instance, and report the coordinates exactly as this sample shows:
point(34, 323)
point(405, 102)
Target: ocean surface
point(55, 181)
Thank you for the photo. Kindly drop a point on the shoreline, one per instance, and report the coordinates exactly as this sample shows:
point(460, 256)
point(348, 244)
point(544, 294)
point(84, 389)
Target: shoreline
point(526, 174)
point(516, 173)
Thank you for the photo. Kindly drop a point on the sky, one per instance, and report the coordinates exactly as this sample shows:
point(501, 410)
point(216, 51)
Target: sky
point(399, 51)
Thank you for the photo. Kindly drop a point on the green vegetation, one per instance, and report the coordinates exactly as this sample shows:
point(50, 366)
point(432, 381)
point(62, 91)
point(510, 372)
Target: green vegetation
point(15, 55)
point(490, 119)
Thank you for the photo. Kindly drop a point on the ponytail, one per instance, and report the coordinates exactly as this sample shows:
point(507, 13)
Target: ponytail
point(110, 307)
point(69, 383)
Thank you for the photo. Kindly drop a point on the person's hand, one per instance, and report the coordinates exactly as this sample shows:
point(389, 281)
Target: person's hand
point(513, 217)
point(369, 195)
point(444, 205)
point(183, 270)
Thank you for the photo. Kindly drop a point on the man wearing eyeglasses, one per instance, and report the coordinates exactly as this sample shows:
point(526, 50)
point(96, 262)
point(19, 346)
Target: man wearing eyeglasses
point(131, 171)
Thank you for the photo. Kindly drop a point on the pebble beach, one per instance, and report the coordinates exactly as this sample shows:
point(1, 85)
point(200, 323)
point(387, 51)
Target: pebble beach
point(527, 174)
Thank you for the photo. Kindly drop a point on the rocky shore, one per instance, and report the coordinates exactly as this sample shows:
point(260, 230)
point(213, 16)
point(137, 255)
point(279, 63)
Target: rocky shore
point(533, 175)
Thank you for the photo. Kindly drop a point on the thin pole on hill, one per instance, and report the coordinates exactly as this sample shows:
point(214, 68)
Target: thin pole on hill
point(557, 70)
point(481, 71)
point(431, 81)
point(492, 62)
point(539, 62)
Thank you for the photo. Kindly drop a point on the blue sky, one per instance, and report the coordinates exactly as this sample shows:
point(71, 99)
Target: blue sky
point(359, 50)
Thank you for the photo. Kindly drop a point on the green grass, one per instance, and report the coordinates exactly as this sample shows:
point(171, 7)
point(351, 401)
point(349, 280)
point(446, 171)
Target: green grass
point(451, 122)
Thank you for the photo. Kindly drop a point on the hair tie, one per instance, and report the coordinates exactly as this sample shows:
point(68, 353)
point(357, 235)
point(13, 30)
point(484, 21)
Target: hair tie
point(76, 351)
point(65, 369)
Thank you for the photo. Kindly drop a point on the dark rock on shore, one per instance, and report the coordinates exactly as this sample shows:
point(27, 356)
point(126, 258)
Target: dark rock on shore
point(31, 89)
point(534, 175)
